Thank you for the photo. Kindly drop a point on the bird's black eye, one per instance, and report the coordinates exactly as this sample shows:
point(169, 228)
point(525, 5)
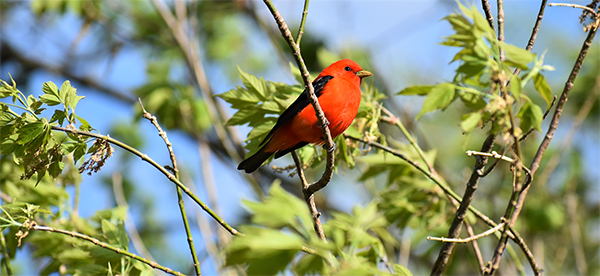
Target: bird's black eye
point(347, 68)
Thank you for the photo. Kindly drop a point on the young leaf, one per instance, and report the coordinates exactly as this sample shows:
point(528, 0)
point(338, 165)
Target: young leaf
point(50, 99)
point(470, 122)
point(472, 100)
point(531, 116)
point(255, 85)
point(518, 56)
point(416, 90)
point(515, 87)
point(542, 87)
point(439, 98)
point(30, 132)
point(50, 89)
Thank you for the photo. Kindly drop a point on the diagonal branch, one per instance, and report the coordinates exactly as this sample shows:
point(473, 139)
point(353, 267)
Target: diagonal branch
point(97, 242)
point(160, 168)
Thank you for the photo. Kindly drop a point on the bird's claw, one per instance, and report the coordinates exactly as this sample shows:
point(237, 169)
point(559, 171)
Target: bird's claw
point(326, 123)
point(332, 148)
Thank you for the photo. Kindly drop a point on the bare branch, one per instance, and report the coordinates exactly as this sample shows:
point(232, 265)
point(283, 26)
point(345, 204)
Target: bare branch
point(180, 202)
point(469, 239)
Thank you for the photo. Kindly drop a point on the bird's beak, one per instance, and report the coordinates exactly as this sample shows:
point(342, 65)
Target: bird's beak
point(363, 73)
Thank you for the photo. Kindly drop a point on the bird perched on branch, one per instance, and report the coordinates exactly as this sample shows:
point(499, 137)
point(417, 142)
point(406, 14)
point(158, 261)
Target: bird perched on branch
point(338, 92)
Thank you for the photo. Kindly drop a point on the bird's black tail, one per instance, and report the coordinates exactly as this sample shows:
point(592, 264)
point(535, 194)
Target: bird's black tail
point(253, 162)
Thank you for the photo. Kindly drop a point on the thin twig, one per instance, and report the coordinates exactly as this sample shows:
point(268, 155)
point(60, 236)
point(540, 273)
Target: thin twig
point(478, 254)
point(160, 168)
point(566, 142)
point(544, 144)
point(574, 6)
point(106, 246)
point(455, 227)
point(180, 202)
point(396, 121)
point(309, 198)
point(302, 22)
point(534, 266)
point(485, 4)
point(471, 238)
point(447, 190)
point(534, 32)
point(5, 255)
point(500, 26)
point(492, 154)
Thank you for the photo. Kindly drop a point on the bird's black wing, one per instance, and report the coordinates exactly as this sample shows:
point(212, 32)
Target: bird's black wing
point(298, 105)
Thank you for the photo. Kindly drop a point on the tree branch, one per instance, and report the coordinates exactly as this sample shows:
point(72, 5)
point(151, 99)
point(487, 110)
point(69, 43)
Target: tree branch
point(160, 168)
point(104, 245)
point(175, 170)
point(520, 197)
point(309, 198)
point(461, 213)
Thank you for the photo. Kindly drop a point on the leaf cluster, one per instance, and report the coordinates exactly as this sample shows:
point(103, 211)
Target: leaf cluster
point(484, 82)
point(282, 237)
point(29, 137)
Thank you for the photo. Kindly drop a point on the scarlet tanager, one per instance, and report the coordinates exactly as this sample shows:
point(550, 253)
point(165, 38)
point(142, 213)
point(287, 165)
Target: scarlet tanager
point(338, 91)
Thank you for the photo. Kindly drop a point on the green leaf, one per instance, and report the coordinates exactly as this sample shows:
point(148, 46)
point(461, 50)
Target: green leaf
point(439, 98)
point(310, 265)
point(272, 107)
point(531, 116)
point(115, 234)
point(515, 87)
point(279, 209)
point(57, 166)
point(416, 90)
point(472, 100)
point(239, 98)
point(401, 270)
point(267, 251)
point(542, 87)
point(518, 56)
point(254, 85)
point(85, 126)
point(65, 90)
point(50, 99)
point(50, 89)
point(30, 132)
point(470, 122)
point(246, 115)
point(79, 152)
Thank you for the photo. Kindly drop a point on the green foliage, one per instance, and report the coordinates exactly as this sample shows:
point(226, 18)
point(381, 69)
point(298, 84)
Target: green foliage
point(28, 137)
point(173, 103)
point(27, 140)
point(283, 237)
point(481, 76)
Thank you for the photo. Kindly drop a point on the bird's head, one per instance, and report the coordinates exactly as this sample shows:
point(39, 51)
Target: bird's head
point(346, 68)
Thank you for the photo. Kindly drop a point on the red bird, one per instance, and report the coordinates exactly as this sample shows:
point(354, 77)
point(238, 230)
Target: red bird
point(338, 91)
